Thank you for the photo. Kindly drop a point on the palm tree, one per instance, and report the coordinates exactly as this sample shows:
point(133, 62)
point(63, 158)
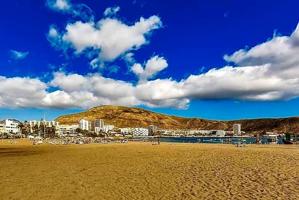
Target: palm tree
point(25, 128)
point(50, 132)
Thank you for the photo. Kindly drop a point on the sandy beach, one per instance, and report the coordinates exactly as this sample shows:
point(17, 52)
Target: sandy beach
point(146, 171)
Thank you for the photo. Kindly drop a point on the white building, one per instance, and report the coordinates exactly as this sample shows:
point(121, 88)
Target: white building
point(220, 133)
point(99, 125)
point(204, 132)
point(2, 128)
point(126, 131)
point(104, 129)
point(10, 126)
point(67, 129)
point(84, 125)
point(140, 132)
point(34, 123)
point(237, 129)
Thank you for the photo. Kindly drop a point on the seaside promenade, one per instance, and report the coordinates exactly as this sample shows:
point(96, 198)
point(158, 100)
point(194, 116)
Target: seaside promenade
point(137, 170)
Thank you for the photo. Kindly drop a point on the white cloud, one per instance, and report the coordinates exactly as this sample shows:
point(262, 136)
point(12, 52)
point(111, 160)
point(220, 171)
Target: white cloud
point(151, 68)
point(53, 33)
point(250, 82)
point(109, 37)
point(101, 90)
point(60, 5)
point(280, 52)
point(74, 90)
point(94, 89)
point(55, 39)
point(21, 92)
point(69, 83)
point(162, 93)
point(18, 55)
point(81, 11)
point(266, 72)
point(59, 99)
point(111, 11)
point(129, 58)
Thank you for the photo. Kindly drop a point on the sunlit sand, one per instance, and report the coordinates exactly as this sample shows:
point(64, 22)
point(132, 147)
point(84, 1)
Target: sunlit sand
point(146, 171)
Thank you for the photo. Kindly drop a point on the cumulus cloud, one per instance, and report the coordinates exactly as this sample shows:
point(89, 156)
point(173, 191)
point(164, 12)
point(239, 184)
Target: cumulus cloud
point(280, 56)
point(249, 83)
point(74, 90)
point(100, 41)
point(61, 5)
point(18, 55)
point(94, 89)
point(268, 71)
point(111, 11)
point(21, 92)
point(162, 93)
point(58, 99)
point(265, 72)
point(110, 38)
point(153, 66)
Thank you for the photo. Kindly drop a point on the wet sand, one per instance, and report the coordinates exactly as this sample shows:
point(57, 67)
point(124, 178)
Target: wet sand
point(146, 171)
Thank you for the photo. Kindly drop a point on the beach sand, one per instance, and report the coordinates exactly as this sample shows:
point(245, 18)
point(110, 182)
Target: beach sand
point(146, 171)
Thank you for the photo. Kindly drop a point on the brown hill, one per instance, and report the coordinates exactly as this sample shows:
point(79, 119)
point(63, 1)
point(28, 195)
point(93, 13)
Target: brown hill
point(121, 116)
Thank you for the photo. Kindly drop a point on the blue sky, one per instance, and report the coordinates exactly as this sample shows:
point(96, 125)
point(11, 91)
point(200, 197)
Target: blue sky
point(62, 56)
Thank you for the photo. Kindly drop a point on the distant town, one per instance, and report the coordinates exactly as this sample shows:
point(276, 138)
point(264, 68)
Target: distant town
point(42, 129)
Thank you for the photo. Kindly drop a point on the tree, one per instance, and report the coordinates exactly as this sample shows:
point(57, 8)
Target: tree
point(21, 127)
point(35, 129)
point(25, 128)
point(50, 132)
point(88, 133)
point(79, 130)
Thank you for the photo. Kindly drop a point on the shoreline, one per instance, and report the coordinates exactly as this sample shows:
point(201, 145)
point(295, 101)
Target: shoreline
point(27, 142)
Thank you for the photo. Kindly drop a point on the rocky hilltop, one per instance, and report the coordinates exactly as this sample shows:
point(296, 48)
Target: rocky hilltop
point(121, 116)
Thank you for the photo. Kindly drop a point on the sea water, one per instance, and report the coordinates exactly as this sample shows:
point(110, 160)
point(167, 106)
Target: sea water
point(206, 139)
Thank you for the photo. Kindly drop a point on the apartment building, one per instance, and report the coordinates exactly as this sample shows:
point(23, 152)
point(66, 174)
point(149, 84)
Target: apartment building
point(10, 126)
